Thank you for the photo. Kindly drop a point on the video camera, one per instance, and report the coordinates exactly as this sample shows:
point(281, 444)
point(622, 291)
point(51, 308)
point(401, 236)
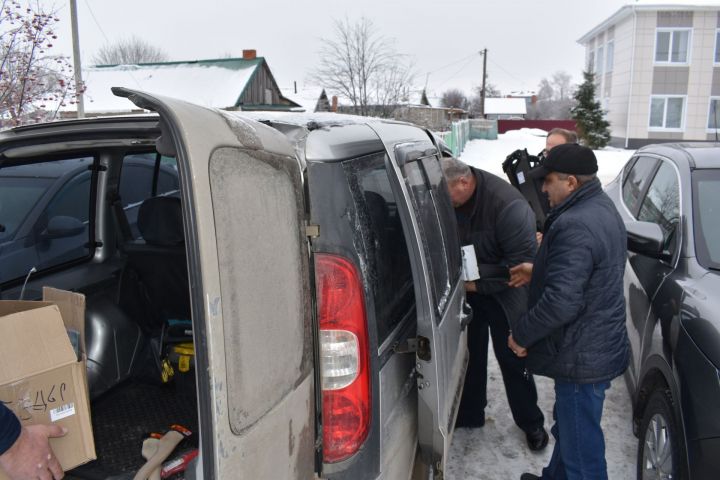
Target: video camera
point(516, 166)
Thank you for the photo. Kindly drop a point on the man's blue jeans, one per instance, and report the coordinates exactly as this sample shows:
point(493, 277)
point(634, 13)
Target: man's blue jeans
point(579, 452)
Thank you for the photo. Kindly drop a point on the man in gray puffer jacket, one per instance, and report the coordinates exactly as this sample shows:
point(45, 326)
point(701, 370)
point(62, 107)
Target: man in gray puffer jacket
point(574, 330)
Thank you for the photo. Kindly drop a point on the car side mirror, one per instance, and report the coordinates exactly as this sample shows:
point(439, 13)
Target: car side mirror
point(63, 226)
point(645, 238)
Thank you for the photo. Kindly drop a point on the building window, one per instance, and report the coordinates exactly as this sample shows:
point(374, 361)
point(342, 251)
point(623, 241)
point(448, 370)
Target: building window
point(599, 62)
point(714, 114)
point(591, 60)
point(609, 56)
point(717, 46)
point(672, 45)
point(667, 112)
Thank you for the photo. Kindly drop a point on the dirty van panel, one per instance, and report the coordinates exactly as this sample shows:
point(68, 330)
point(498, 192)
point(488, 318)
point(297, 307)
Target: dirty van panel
point(266, 321)
point(441, 344)
point(248, 266)
point(263, 282)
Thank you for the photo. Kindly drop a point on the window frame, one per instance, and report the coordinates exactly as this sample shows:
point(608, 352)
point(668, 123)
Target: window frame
point(709, 129)
point(609, 56)
point(664, 128)
point(672, 31)
point(678, 224)
point(599, 66)
point(591, 59)
point(642, 191)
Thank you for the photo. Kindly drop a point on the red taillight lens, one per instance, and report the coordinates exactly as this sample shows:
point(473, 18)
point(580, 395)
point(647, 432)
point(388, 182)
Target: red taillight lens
point(344, 360)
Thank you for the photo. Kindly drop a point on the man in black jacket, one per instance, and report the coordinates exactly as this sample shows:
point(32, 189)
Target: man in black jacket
point(574, 329)
point(493, 217)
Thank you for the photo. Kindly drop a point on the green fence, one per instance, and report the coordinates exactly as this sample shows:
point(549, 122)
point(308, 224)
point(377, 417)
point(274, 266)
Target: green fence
point(463, 131)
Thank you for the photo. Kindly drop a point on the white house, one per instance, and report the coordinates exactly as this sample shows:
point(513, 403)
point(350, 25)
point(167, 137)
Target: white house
point(658, 72)
point(505, 108)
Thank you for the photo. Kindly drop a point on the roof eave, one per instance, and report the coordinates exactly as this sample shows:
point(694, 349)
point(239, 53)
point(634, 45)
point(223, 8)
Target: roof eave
point(627, 10)
point(611, 20)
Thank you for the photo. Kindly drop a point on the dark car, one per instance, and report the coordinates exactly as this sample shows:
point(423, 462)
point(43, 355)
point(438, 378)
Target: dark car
point(303, 284)
point(669, 196)
point(45, 212)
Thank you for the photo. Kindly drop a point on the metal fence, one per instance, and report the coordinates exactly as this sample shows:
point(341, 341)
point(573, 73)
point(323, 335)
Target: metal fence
point(463, 131)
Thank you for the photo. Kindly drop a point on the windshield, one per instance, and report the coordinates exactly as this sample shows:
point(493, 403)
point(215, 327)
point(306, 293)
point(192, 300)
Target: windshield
point(706, 215)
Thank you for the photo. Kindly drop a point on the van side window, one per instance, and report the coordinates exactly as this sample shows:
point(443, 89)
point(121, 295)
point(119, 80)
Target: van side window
point(45, 213)
point(138, 182)
point(436, 220)
point(392, 282)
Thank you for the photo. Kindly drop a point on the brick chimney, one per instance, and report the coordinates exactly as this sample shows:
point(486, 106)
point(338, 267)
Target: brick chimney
point(249, 54)
point(333, 108)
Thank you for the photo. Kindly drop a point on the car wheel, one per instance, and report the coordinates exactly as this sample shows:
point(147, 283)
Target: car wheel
point(661, 443)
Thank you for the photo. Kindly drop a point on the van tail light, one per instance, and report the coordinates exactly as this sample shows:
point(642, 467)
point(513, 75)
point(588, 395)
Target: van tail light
point(344, 359)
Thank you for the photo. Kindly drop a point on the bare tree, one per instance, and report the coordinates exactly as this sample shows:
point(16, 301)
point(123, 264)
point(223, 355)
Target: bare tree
point(555, 98)
point(561, 81)
point(129, 51)
point(454, 98)
point(33, 82)
point(545, 90)
point(363, 66)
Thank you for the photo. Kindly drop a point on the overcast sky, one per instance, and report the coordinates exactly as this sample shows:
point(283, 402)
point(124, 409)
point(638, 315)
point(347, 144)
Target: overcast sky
point(526, 39)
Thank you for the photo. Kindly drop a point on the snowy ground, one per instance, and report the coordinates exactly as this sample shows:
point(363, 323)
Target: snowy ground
point(498, 450)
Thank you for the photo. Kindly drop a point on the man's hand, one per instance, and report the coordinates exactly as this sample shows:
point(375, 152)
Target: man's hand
point(517, 349)
point(31, 457)
point(538, 237)
point(520, 274)
point(470, 287)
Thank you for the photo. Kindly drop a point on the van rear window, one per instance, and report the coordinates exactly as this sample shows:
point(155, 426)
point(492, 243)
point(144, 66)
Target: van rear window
point(390, 278)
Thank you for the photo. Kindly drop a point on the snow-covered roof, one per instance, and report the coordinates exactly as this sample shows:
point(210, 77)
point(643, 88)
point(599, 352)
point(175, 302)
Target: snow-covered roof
point(505, 106)
point(210, 83)
point(648, 5)
point(306, 96)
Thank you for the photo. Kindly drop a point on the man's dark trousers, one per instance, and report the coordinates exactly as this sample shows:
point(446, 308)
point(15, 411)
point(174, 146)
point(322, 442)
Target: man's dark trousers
point(519, 386)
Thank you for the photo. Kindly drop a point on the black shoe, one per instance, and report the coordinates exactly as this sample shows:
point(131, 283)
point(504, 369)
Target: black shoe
point(529, 476)
point(468, 420)
point(537, 439)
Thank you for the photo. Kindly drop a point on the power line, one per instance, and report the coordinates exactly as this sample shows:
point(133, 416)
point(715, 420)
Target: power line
point(522, 81)
point(451, 77)
point(107, 40)
point(451, 64)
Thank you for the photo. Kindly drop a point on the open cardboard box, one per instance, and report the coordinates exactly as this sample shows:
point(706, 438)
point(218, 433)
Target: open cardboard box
point(42, 379)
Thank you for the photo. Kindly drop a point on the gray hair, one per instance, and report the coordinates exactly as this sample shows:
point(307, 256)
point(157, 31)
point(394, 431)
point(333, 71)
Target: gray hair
point(568, 135)
point(582, 179)
point(454, 169)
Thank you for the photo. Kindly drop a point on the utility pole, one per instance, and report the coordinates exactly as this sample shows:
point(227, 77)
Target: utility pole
point(483, 52)
point(76, 60)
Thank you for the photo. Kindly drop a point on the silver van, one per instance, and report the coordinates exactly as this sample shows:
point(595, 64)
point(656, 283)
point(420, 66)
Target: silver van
point(286, 286)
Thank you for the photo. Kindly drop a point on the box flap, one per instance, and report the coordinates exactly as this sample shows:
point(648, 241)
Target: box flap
point(72, 309)
point(37, 338)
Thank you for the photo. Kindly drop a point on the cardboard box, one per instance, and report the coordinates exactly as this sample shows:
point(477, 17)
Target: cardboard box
point(41, 378)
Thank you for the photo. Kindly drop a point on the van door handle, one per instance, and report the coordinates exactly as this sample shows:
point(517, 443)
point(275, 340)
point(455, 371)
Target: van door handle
point(466, 315)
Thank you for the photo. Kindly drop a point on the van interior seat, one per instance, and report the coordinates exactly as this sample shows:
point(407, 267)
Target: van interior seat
point(155, 286)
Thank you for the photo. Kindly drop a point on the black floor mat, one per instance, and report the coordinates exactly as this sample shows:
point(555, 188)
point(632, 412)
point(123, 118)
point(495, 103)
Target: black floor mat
point(123, 418)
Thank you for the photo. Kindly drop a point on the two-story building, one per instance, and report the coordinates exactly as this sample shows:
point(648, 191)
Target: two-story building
point(657, 71)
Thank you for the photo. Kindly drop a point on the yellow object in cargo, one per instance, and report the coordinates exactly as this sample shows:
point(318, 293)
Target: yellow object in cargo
point(185, 351)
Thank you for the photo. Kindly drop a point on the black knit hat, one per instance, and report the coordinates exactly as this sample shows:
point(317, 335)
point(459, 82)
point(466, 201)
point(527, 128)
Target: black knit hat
point(569, 158)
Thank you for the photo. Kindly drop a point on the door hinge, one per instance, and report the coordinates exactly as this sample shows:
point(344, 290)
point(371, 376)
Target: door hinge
point(312, 231)
point(419, 346)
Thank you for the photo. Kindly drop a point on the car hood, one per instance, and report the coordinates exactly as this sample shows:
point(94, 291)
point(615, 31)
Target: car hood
point(700, 315)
